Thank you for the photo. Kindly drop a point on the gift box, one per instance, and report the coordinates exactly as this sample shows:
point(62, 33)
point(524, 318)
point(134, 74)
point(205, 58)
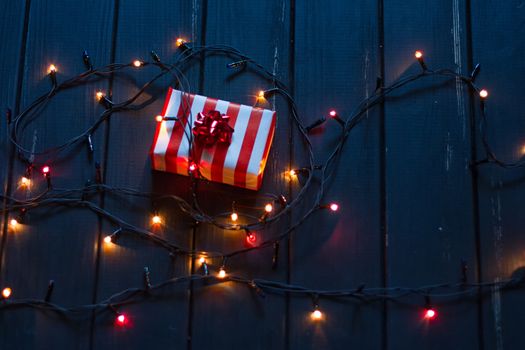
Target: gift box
point(224, 141)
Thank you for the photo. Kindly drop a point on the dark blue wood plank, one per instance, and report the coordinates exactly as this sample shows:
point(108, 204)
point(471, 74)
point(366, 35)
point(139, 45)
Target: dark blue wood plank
point(231, 314)
point(54, 243)
point(142, 27)
point(336, 66)
point(429, 212)
point(12, 32)
point(497, 32)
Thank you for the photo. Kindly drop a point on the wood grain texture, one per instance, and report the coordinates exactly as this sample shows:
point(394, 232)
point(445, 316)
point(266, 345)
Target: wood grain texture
point(330, 54)
point(142, 27)
point(57, 243)
point(336, 67)
point(497, 30)
point(428, 188)
point(233, 315)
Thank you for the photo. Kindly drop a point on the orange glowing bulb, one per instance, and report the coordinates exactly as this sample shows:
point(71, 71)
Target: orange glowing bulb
point(483, 93)
point(137, 63)
point(292, 172)
point(156, 220)
point(202, 260)
point(13, 223)
point(180, 42)
point(418, 54)
point(268, 208)
point(107, 239)
point(316, 315)
point(222, 273)
point(25, 182)
point(261, 94)
point(6, 292)
point(159, 118)
point(234, 216)
point(52, 69)
point(99, 95)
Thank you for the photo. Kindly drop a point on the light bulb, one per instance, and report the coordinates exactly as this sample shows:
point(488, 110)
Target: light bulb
point(333, 113)
point(107, 239)
point(430, 314)
point(334, 207)
point(137, 63)
point(100, 95)
point(234, 216)
point(292, 172)
point(222, 273)
point(121, 319)
point(202, 260)
point(180, 42)
point(6, 292)
point(159, 118)
point(156, 220)
point(25, 182)
point(46, 170)
point(251, 238)
point(52, 69)
point(483, 94)
point(418, 54)
point(261, 94)
point(268, 208)
point(316, 315)
point(193, 167)
point(13, 223)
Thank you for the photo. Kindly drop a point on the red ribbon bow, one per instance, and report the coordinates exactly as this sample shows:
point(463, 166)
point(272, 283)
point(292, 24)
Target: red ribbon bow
point(211, 128)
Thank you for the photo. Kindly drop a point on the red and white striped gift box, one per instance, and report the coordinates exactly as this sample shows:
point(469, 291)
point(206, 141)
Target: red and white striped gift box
point(239, 164)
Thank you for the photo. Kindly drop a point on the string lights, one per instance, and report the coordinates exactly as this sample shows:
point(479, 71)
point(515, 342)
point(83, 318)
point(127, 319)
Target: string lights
point(70, 197)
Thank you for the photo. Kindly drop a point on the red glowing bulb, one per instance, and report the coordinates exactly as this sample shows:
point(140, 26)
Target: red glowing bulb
point(121, 319)
point(430, 314)
point(333, 113)
point(334, 207)
point(46, 170)
point(251, 238)
point(193, 167)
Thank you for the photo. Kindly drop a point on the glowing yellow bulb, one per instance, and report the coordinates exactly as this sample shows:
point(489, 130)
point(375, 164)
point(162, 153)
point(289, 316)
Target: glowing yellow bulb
point(13, 223)
point(483, 93)
point(137, 63)
point(222, 273)
point(293, 172)
point(52, 69)
point(418, 54)
point(25, 182)
point(316, 315)
point(261, 94)
point(107, 239)
point(234, 216)
point(6, 292)
point(156, 220)
point(159, 118)
point(180, 42)
point(202, 260)
point(100, 95)
point(268, 208)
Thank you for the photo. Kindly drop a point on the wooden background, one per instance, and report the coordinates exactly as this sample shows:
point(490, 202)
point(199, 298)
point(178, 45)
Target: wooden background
point(411, 208)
